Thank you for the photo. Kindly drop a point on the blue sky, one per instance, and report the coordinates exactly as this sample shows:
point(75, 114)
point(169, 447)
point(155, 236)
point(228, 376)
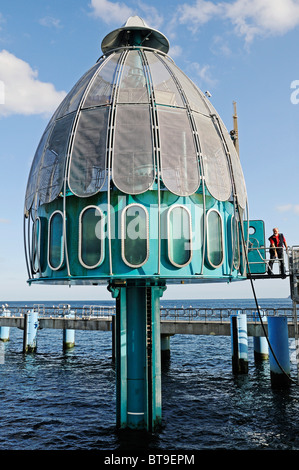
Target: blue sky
point(239, 50)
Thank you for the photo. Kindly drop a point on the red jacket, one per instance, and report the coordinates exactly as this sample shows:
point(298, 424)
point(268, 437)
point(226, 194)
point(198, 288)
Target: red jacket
point(277, 240)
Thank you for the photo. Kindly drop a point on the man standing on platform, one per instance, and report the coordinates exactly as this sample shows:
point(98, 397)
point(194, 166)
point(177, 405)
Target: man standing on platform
point(277, 242)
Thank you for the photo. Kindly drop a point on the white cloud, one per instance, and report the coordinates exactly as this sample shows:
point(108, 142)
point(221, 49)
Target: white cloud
point(50, 22)
point(249, 17)
point(111, 12)
point(203, 73)
point(175, 51)
point(150, 15)
point(23, 92)
point(289, 208)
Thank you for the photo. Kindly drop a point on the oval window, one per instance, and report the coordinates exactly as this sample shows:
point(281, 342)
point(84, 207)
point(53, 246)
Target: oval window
point(135, 235)
point(214, 239)
point(55, 241)
point(91, 225)
point(179, 236)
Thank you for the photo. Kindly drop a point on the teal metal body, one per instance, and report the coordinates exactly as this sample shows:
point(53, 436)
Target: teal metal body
point(158, 264)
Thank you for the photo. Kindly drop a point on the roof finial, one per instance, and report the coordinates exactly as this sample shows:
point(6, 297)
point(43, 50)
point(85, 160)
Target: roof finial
point(135, 32)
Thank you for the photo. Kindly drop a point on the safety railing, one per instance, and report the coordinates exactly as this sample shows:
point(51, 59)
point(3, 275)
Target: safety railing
point(259, 258)
point(173, 314)
point(220, 314)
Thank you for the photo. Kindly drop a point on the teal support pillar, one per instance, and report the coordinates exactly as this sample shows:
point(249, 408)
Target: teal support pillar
point(280, 357)
point(30, 331)
point(165, 346)
point(260, 343)
point(239, 343)
point(4, 330)
point(138, 355)
point(68, 340)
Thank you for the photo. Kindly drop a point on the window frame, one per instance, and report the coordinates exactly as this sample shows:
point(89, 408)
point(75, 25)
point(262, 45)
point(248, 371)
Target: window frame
point(36, 245)
point(123, 231)
point(175, 206)
point(222, 238)
point(80, 237)
point(49, 237)
point(235, 242)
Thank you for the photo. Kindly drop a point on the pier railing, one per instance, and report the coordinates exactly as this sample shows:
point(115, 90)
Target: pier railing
point(188, 314)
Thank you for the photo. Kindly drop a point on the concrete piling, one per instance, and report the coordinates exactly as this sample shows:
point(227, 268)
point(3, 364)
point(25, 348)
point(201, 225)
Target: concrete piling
point(4, 330)
point(30, 331)
point(68, 339)
point(239, 343)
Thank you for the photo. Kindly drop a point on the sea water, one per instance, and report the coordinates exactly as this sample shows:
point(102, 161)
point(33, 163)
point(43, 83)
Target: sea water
point(65, 400)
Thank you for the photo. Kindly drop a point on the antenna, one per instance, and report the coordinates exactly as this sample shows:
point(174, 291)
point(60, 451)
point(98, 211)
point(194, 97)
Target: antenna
point(236, 134)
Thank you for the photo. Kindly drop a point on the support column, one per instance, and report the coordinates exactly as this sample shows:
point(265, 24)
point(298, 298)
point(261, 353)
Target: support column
point(138, 354)
point(280, 360)
point(4, 330)
point(68, 340)
point(165, 346)
point(239, 343)
point(30, 331)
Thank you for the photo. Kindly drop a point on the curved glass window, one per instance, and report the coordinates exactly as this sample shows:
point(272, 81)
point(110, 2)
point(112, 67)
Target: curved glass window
point(91, 240)
point(52, 164)
point(88, 160)
point(179, 236)
point(133, 159)
point(36, 237)
point(215, 164)
point(55, 241)
point(179, 162)
point(135, 235)
point(214, 238)
point(133, 86)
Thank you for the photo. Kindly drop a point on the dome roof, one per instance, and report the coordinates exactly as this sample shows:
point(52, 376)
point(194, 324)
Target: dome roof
point(135, 115)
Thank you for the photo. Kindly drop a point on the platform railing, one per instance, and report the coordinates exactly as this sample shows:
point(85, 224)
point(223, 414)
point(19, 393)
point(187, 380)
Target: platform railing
point(262, 259)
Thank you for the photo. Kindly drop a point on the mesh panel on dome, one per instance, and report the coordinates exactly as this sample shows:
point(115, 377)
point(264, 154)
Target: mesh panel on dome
point(133, 87)
point(179, 162)
point(72, 100)
point(216, 169)
point(88, 158)
point(101, 88)
point(51, 173)
point(166, 91)
point(133, 160)
point(195, 98)
point(35, 167)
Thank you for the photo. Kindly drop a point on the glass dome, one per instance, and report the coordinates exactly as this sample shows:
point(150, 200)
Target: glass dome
point(133, 117)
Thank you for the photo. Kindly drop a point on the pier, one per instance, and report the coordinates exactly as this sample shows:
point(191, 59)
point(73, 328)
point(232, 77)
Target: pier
point(177, 320)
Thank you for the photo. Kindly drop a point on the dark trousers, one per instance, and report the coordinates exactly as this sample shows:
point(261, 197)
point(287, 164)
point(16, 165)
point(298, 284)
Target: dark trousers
point(279, 252)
